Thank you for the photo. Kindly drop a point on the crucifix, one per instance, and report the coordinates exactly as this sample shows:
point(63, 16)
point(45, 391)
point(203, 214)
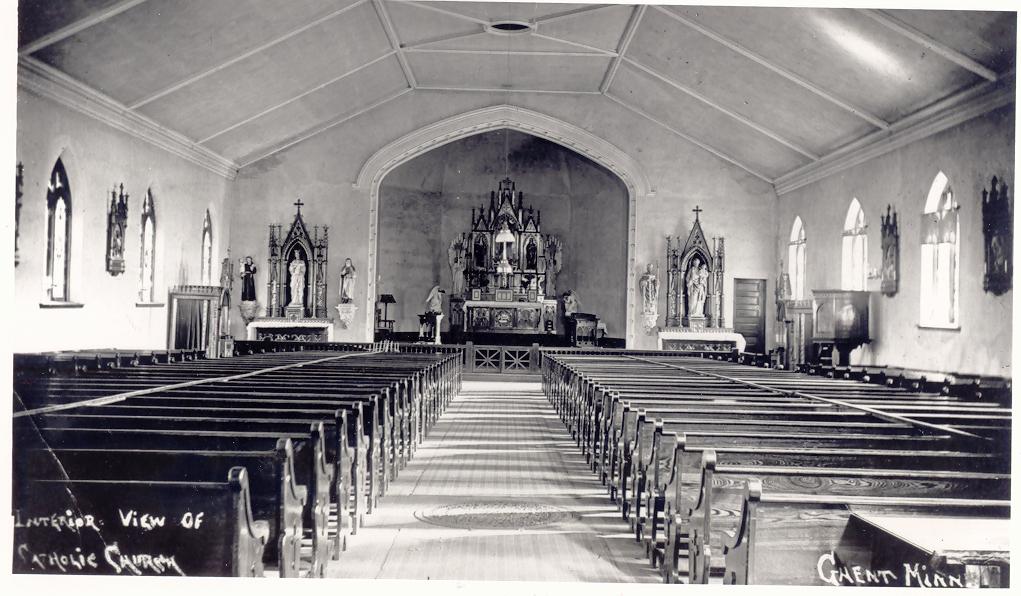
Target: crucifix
point(298, 204)
point(697, 210)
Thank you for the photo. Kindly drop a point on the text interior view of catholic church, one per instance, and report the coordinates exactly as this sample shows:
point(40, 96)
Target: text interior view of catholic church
point(441, 290)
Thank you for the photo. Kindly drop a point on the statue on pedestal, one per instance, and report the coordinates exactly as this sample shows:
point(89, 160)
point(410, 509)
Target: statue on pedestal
point(248, 306)
point(434, 302)
point(347, 281)
point(571, 304)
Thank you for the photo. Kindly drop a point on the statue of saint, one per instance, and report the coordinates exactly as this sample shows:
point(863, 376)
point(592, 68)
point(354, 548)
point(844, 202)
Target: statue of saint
point(571, 304)
point(480, 251)
point(247, 271)
point(347, 282)
point(297, 271)
point(697, 281)
point(434, 302)
point(649, 286)
point(456, 259)
point(531, 255)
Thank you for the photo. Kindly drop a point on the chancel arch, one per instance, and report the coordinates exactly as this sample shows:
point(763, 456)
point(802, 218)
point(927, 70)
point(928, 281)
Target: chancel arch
point(509, 117)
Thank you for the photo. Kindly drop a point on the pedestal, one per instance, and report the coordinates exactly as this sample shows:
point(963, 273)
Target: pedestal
point(694, 322)
point(294, 311)
point(346, 314)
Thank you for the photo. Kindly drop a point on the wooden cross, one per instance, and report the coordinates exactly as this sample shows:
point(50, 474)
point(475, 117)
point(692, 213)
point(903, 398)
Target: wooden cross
point(697, 210)
point(298, 204)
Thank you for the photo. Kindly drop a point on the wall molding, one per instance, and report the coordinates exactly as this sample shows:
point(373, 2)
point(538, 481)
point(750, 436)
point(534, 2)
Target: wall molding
point(49, 83)
point(956, 109)
point(431, 136)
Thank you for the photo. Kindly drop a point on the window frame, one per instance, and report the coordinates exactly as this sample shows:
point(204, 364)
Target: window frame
point(854, 249)
point(58, 192)
point(939, 287)
point(148, 223)
point(797, 259)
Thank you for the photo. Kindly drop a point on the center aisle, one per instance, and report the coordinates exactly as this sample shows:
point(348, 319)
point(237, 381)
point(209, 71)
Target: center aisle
point(497, 491)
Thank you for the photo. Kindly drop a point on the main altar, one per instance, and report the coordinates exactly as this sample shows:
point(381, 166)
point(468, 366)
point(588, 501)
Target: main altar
point(694, 317)
point(504, 269)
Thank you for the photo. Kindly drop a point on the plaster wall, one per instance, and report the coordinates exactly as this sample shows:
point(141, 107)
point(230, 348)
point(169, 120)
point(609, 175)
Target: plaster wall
point(970, 154)
point(96, 157)
point(580, 202)
point(322, 169)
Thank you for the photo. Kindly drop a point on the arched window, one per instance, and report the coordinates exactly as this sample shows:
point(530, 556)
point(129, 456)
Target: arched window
point(58, 235)
point(147, 283)
point(854, 252)
point(939, 265)
point(207, 251)
point(796, 260)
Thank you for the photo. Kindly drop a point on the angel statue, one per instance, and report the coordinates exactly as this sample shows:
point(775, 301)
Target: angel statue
point(456, 259)
point(554, 261)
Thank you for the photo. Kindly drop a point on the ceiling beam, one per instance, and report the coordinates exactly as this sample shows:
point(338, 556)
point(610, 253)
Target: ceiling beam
point(927, 42)
point(592, 49)
point(77, 26)
point(858, 111)
point(689, 138)
point(692, 93)
point(449, 13)
point(570, 13)
point(395, 41)
point(297, 97)
point(622, 45)
point(247, 54)
point(418, 50)
point(442, 38)
point(323, 127)
point(501, 90)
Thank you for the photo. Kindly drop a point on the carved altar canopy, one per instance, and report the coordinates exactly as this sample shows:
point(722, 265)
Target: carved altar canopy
point(310, 249)
point(683, 263)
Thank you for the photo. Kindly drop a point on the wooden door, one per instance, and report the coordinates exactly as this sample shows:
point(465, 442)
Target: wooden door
point(750, 313)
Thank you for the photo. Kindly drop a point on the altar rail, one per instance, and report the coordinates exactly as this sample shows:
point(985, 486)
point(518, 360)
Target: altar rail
point(479, 358)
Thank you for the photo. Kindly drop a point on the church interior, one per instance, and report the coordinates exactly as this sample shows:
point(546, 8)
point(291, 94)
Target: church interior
point(527, 291)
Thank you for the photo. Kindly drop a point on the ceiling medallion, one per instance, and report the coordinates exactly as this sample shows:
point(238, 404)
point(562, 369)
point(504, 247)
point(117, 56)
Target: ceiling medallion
point(510, 27)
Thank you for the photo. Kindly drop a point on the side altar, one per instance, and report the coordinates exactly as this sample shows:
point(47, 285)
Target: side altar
point(694, 317)
point(296, 288)
point(504, 269)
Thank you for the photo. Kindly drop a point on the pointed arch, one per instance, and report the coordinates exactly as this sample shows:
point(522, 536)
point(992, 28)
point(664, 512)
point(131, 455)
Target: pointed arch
point(939, 266)
point(495, 118)
point(206, 267)
point(854, 249)
point(147, 254)
point(797, 259)
point(58, 234)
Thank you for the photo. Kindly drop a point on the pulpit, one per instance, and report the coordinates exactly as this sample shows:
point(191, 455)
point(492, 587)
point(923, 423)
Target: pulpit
point(841, 321)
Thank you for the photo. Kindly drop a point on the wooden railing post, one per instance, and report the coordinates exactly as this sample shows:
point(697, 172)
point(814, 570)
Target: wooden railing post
point(533, 358)
point(469, 352)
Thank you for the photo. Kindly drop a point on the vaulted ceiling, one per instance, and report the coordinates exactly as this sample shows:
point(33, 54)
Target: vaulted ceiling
point(772, 90)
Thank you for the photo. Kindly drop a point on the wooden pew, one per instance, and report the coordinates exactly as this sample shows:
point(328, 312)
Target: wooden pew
point(721, 490)
point(274, 495)
point(310, 467)
point(109, 527)
point(811, 539)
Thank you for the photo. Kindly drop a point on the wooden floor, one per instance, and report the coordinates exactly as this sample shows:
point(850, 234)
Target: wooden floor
point(501, 453)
